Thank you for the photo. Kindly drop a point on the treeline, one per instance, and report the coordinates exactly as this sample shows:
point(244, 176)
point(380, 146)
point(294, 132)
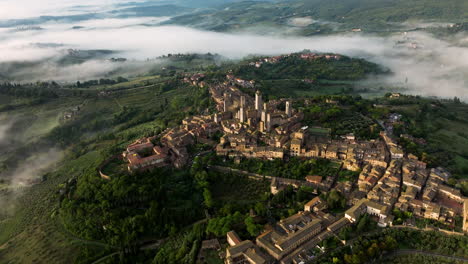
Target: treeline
point(191, 56)
point(52, 89)
point(90, 83)
point(35, 90)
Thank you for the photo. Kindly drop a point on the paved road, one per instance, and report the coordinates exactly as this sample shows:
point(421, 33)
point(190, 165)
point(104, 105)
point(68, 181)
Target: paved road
point(447, 232)
point(403, 252)
point(232, 170)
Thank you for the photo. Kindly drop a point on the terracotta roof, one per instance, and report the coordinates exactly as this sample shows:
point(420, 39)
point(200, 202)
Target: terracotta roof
point(139, 146)
point(315, 201)
point(314, 179)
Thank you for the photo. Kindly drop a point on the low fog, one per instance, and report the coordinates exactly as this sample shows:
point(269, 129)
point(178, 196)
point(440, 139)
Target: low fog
point(29, 171)
point(5, 125)
point(32, 168)
point(431, 66)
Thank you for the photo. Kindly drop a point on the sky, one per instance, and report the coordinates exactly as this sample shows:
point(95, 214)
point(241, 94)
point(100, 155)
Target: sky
point(18, 9)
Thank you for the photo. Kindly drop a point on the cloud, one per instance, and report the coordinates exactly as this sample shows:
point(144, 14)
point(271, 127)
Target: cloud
point(140, 42)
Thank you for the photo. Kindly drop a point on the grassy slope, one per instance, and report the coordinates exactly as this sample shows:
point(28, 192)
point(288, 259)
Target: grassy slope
point(32, 235)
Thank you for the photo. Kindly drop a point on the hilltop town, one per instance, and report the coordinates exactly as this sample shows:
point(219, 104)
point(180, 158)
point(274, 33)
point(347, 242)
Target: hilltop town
point(284, 162)
point(234, 132)
point(249, 127)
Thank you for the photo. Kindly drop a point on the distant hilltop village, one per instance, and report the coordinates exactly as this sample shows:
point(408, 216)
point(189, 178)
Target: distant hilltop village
point(304, 56)
point(253, 128)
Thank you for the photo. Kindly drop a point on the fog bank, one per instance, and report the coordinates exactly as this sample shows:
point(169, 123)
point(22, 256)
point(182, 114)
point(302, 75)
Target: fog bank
point(425, 65)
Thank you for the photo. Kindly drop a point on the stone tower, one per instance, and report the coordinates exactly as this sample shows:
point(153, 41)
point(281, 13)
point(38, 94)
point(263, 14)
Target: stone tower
point(288, 109)
point(258, 101)
point(242, 102)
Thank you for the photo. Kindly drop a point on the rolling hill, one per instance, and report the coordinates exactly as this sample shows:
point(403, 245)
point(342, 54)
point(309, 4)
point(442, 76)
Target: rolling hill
point(371, 15)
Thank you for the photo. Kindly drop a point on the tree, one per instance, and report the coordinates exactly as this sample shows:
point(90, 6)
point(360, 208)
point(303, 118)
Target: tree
point(208, 198)
point(373, 250)
point(252, 228)
point(363, 222)
point(201, 178)
point(260, 209)
point(335, 200)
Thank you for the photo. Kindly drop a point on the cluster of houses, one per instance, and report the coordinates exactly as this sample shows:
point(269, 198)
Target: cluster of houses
point(171, 148)
point(315, 56)
point(70, 114)
point(195, 80)
point(241, 82)
point(426, 195)
point(272, 60)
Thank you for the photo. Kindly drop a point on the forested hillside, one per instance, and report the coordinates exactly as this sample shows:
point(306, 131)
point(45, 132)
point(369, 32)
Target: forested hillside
point(341, 15)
